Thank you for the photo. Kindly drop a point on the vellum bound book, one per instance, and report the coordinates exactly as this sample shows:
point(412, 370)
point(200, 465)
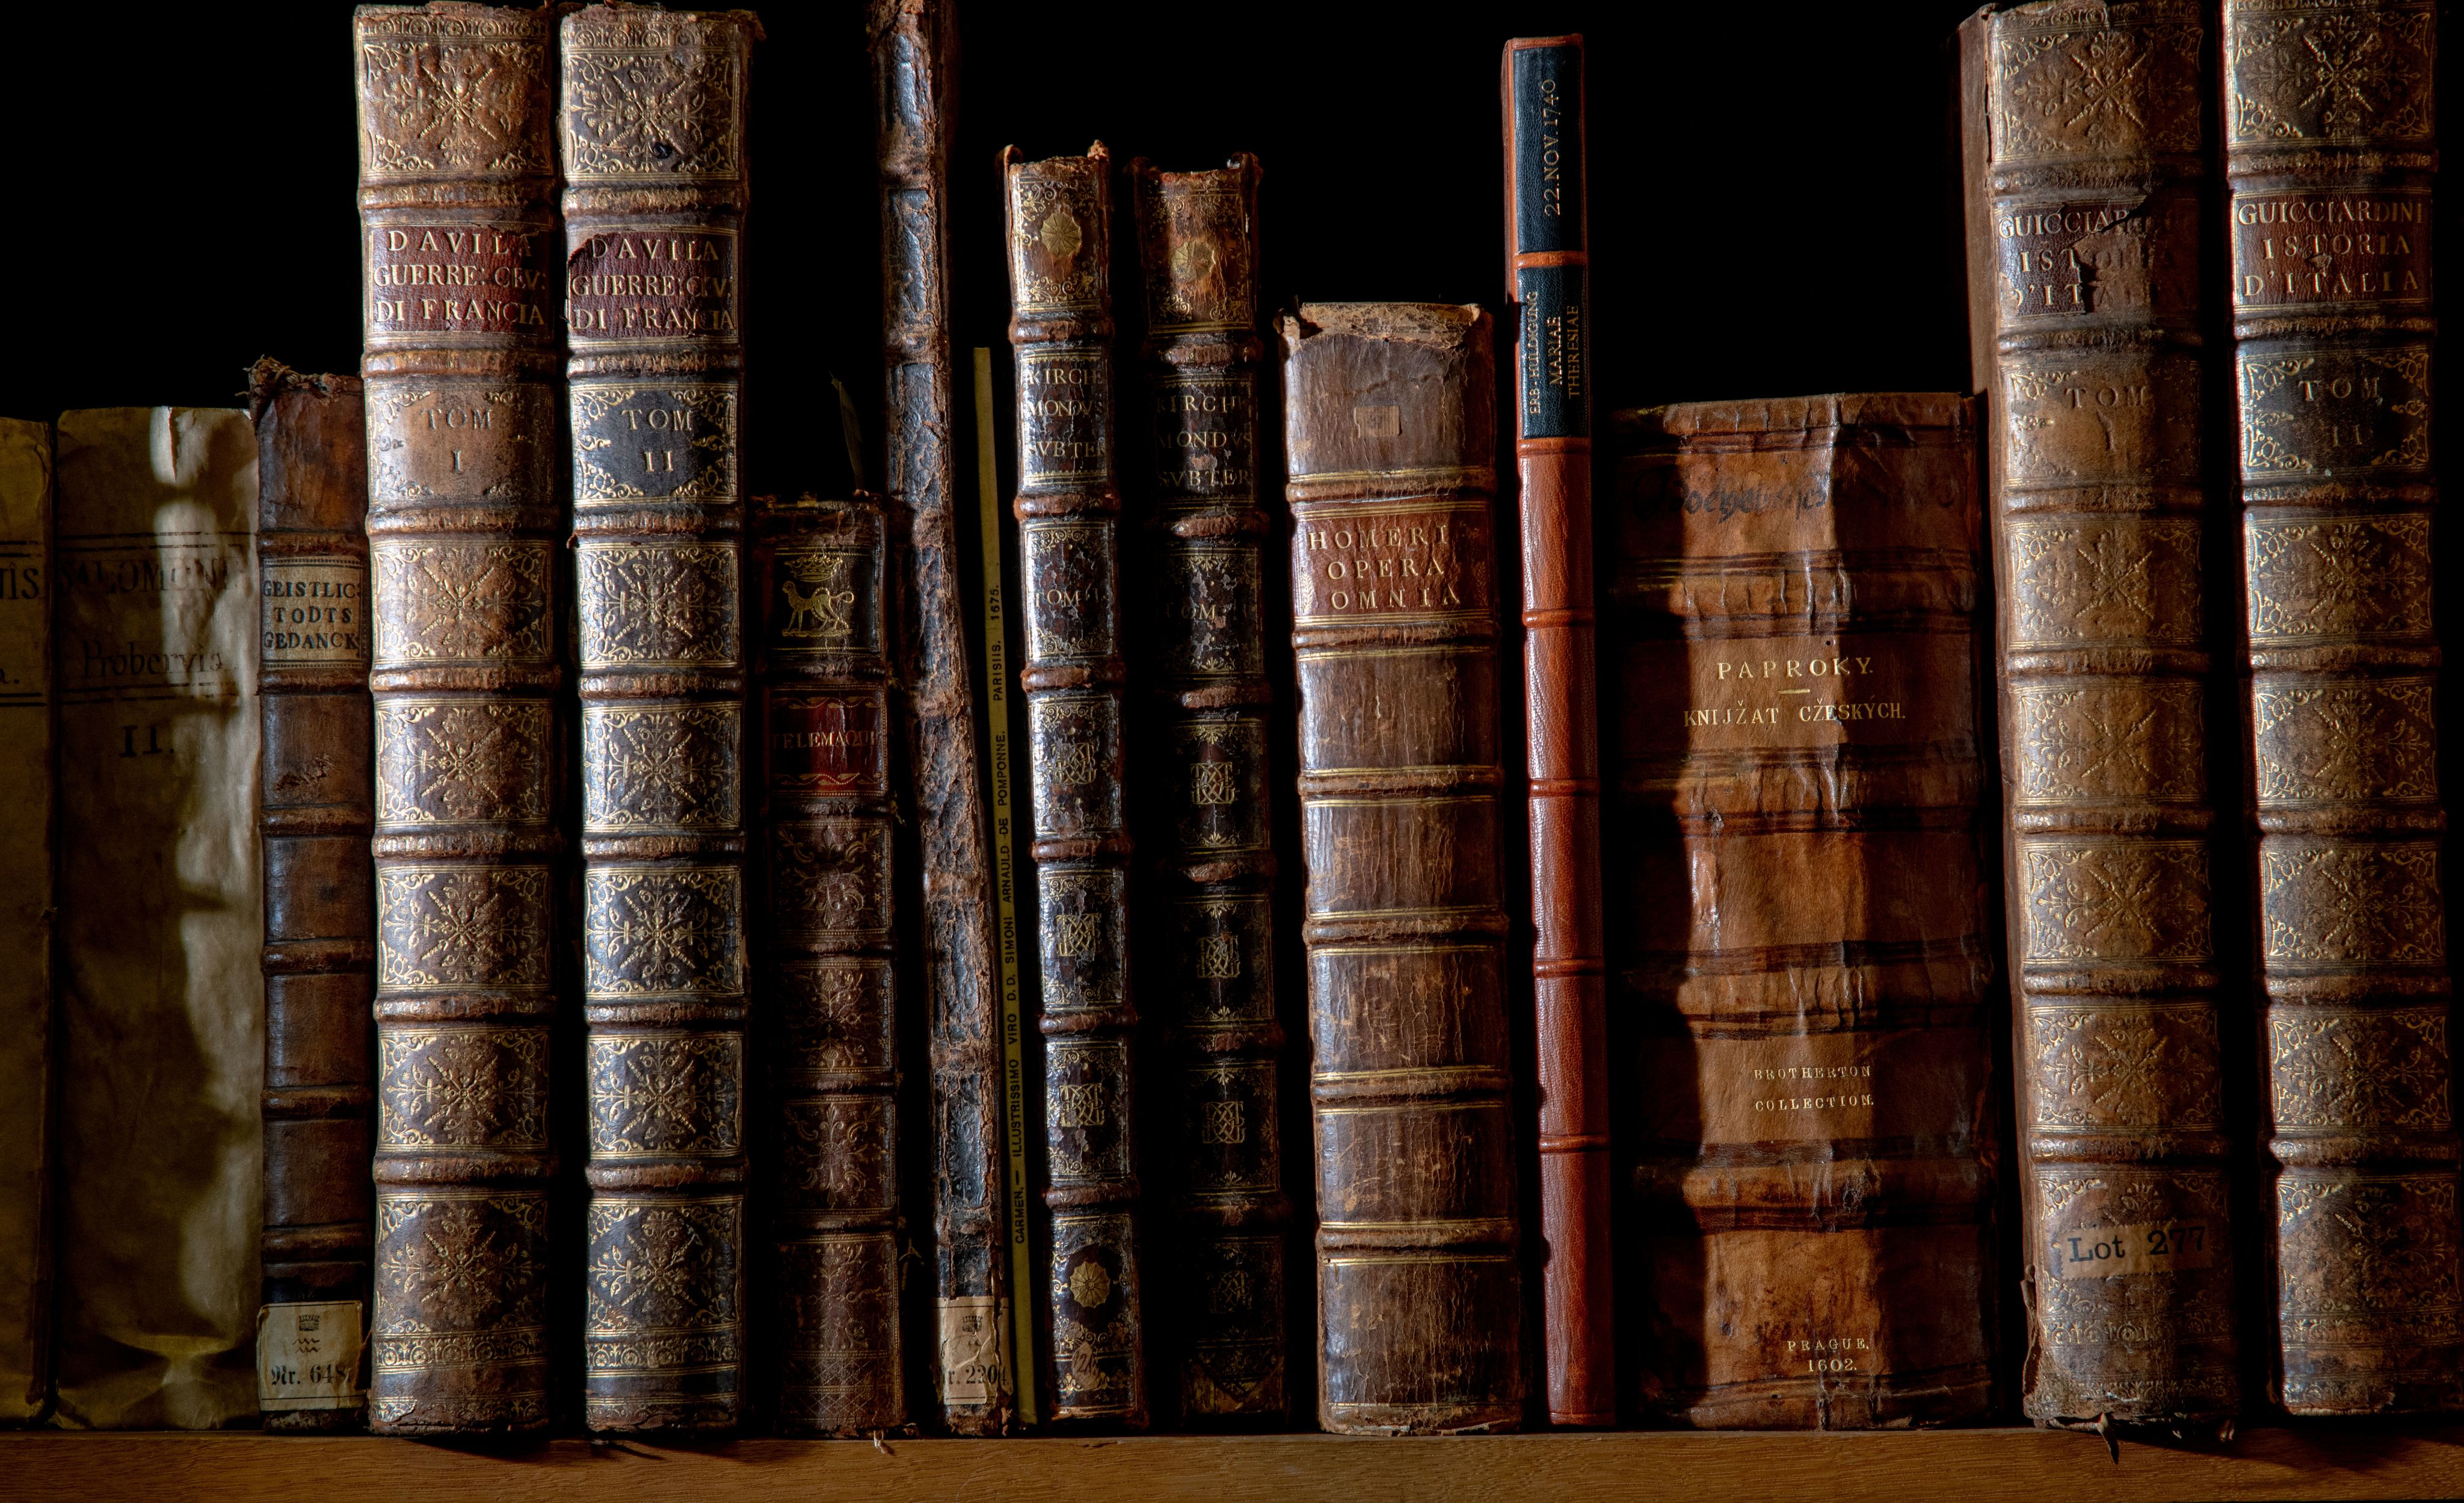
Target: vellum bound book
point(160, 1004)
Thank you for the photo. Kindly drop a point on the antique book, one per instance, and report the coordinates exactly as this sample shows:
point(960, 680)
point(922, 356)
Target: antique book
point(914, 63)
point(653, 150)
point(2084, 241)
point(1547, 282)
point(1390, 424)
point(2330, 156)
point(1058, 224)
point(1203, 799)
point(460, 248)
point(828, 1029)
point(26, 918)
point(160, 1011)
point(1802, 926)
point(317, 798)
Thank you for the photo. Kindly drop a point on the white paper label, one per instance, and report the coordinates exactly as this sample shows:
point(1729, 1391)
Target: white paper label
point(308, 1357)
point(970, 1348)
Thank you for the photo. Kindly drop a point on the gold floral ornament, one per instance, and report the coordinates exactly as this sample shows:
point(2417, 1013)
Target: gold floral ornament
point(1089, 1285)
point(1059, 234)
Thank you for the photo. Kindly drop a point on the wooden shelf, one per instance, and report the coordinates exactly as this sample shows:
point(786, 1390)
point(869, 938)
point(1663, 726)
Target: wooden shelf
point(1902, 1466)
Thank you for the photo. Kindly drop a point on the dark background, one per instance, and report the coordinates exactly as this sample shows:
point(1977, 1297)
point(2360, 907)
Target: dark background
point(1771, 202)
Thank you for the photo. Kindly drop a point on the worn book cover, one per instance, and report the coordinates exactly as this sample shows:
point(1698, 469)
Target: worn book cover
point(319, 797)
point(1390, 423)
point(2330, 161)
point(26, 917)
point(915, 71)
point(1058, 233)
point(1207, 801)
point(2088, 340)
point(1801, 935)
point(828, 1033)
point(655, 193)
point(161, 1008)
point(457, 175)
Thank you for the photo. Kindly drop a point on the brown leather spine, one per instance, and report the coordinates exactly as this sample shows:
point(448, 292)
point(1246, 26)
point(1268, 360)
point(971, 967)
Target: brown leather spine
point(457, 178)
point(2330, 155)
point(1390, 423)
point(1548, 281)
point(915, 71)
point(1802, 922)
point(1058, 230)
point(2085, 234)
point(1203, 800)
point(654, 202)
point(316, 811)
point(829, 1025)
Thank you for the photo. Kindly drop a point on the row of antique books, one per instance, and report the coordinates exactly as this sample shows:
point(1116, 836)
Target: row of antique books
point(578, 886)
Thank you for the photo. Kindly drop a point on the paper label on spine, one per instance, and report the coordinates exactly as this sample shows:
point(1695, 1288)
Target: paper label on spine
point(971, 1349)
point(308, 1357)
point(2140, 1247)
point(315, 612)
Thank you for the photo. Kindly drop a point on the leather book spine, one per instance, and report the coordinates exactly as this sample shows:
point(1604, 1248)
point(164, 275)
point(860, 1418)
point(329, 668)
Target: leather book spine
point(317, 808)
point(1204, 802)
point(829, 1028)
point(1549, 283)
point(2085, 232)
point(160, 1003)
point(914, 57)
point(460, 250)
point(1802, 922)
point(653, 151)
point(27, 919)
point(1058, 226)
point(2330, 155)
point(1390, 423)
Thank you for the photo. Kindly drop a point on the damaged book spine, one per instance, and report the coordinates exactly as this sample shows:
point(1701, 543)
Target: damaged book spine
point(915, 46)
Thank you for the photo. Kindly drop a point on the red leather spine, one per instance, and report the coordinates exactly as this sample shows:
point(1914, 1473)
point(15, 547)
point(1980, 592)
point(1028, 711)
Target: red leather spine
point(1547, 277)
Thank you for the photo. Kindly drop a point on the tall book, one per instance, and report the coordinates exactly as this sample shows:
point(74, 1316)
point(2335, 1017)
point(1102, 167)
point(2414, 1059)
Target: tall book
point(2331, 154)
point(317, 809)
point(26, 916)
point(829, 1025)
point(653, 153)
point(1203, 798)
point(1058, 226)
point(1390, 424)
point(2084, 242)
point(914, 60)
point(161, 1014)
point(1803, 926)
point(1547, 278)
point(461, 255)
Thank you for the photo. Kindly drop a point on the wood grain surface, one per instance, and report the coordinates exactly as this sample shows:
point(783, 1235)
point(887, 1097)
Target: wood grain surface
point(1888, 1466)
